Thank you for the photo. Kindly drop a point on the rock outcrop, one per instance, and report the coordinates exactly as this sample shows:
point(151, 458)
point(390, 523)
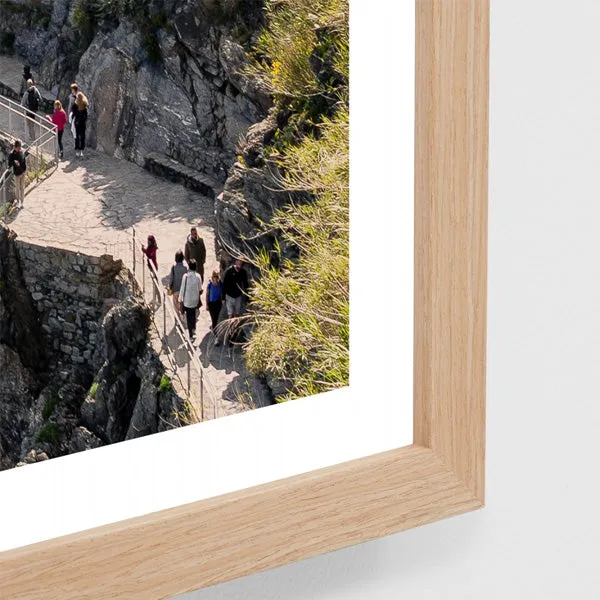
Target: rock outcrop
point(52, 403)
point(163, 77)
point(17, 390)
point(20, 326)
point(193, 106)
point(126, 400)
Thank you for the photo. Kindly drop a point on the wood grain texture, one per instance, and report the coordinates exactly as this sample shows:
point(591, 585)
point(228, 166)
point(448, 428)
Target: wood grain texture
point(201, 544)
point(451, 177)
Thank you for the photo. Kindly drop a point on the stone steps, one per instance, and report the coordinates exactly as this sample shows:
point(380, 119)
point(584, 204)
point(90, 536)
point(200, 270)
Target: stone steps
point(174, 171)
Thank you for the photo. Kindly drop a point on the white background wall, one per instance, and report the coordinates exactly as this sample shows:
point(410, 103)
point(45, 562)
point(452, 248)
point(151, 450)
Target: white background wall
point(539, 536)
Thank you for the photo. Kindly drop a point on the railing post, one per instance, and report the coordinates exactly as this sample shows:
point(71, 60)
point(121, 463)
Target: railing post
point(189, 380)
point(133, 233)
point(164, 303)
point(37, 152)
point(202, 395)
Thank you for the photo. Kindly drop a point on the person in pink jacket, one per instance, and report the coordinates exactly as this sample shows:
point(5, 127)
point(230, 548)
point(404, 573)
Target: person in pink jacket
point(59, 118)
point(150, 251)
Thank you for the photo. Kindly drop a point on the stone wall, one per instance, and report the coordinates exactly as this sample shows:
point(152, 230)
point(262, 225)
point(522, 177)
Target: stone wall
point(72, 292)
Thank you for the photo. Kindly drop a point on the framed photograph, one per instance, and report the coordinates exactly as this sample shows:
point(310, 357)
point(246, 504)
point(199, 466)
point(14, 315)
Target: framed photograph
point(403, 445)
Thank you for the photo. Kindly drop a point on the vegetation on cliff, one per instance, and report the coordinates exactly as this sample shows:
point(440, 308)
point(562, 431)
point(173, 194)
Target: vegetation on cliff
point(300, 309)
point(87, 14)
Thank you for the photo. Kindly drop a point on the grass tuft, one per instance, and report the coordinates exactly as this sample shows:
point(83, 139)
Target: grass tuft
point(49, 407)
point(48, 434)
point(165, 384)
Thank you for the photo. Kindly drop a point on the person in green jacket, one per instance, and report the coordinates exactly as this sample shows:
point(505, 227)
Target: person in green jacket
point(195, 250)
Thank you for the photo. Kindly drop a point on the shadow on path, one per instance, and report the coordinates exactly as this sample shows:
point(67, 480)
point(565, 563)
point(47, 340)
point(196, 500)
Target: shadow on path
point(136, 194)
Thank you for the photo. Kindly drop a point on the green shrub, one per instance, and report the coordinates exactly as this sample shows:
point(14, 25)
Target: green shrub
point(151, 44)
point(93, 390)
point(49, 407)
point(116, 9)
point(299, 309)
point(84, 22)
point(7, 42)
point(165, 385)
point(292, 37)
point(48, 434)
point(220, 11)
point(160, 20)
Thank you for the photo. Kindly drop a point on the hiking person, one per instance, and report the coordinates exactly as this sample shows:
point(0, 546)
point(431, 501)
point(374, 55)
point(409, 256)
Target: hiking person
point(235, 286)
point(72, 98)
point(59, 118)
point(191, 297)
point(26, 77)
point(195, 250)
point(32, 99)
point(80, 115)
point(214, 301)
point(178, 270)
point(150, 251)
point(18, 163)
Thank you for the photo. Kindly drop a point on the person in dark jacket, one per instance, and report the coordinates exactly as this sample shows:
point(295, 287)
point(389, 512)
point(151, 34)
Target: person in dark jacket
point(18, 163)
point(27, 75)
point(195, 250)
point(32, 100)
point(235, 286)
point(79, 117)
point(72, 98)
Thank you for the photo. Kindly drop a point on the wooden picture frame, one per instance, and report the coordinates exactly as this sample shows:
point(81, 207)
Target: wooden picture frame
point(440, 475)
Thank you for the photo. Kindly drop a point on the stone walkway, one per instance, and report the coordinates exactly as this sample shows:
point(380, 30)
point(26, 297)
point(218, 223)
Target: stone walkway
point(90, 205)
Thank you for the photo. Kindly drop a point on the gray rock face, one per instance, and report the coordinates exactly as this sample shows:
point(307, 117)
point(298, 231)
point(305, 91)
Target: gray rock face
point(251, 196)
point(19, 322)
point(125, 402)
point(82, 439)
point(194, 106)
point(16, 392)
point(45, 37)
point(125, 330)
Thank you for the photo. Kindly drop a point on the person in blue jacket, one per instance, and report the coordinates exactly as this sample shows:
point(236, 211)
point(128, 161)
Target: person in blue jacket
point(214, 301)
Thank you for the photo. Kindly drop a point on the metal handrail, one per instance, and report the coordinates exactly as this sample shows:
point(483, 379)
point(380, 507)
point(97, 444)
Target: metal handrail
point(49, 129)
point(4, 179)
point(22, 111)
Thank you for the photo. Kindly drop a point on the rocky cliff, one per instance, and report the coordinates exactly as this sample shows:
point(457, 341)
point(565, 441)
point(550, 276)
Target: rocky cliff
point(165, 78)
point(162, 76)
point(54, 402)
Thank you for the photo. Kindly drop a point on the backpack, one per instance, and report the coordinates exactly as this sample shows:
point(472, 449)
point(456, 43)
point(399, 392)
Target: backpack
point(33, 102)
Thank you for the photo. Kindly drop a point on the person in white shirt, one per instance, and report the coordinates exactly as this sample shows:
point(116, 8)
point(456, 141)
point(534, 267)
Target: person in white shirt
point(190, 297)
